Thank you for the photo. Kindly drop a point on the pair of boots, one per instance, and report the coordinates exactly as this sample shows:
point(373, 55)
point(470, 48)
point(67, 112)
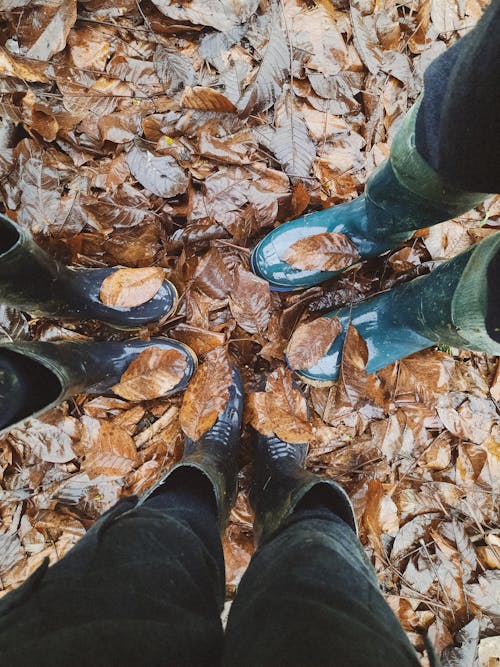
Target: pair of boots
point(36, 376)
point(280, 481)
point(456, 305)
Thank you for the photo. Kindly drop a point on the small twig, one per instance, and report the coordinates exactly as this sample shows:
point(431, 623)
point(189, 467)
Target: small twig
point(160, 424)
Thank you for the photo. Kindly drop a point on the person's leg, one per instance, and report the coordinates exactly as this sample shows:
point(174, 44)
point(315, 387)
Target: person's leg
point(145, 587)
point(458, 122)
point(309, 596)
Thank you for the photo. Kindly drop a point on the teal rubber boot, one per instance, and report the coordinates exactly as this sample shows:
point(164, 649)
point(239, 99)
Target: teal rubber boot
point(456, 305)
point(402, 195)
point(281, 482)
point(32, 281)
point(215, 455)
point(35, 377)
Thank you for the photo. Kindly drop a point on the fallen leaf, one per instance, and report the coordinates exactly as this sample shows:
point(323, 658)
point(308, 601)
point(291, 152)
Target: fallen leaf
point(311, 341)
point(291, 142)
point(328, 251)
point(152, 374)
point(161, 175)
point(199, 340)
point(485, 594)
point(207, 394)
point(128, 288)
point(45, 28)
point(250, 301)
point(355, 386)
point(495, 385)
point(206, 99)
point(107, 449)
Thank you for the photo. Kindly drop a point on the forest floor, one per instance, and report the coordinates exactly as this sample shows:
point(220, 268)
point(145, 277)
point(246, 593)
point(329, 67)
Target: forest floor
point(176, 135)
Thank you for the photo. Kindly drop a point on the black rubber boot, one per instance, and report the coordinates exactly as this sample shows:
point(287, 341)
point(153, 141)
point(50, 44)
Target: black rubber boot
point(32, 281)
point(35, 377)
point(281, 483)
point(215, 455)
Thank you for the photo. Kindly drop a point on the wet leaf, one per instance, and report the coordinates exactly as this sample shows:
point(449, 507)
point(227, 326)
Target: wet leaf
point(311, 341)
point(206, 99)
point(50, 440)
point(328, 251)
point(13, 324)
point(281, 409)
point(355, 386)
point(44, 29)
point(250, 301)
point(198, 339)
point(128, 288)
point(207, 394)
point(107, 448)
point(153, 374)
point(291, 142)
point(161, 175)
point(270, 74)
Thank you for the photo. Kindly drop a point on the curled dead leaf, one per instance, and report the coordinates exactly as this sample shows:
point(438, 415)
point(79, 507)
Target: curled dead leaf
point(207, 394)
point(128, 288)
point(152, 374)
point(206, 99)
point(250, 301)
point(107, 448)
point(311, 341)
point(328, 251)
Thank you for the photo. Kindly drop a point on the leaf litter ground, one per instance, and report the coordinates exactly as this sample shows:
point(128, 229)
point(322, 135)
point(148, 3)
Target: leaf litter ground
point(175, 136)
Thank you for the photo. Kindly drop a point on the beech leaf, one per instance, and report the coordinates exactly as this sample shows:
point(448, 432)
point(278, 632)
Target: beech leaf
point(328, 251)
point(55, 27)
point(207, 394)
point(291, 142)
point(206, 99)
point(107, 448)
point(161, 175)
point(153, 374)
point(311, 341)
point(250, 301)
point(128, 288)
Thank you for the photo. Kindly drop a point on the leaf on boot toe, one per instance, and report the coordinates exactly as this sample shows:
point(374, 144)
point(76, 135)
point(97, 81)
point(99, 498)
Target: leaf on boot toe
point(311, 341)
point(128, 288)
point(328, 251)
point(152, 374)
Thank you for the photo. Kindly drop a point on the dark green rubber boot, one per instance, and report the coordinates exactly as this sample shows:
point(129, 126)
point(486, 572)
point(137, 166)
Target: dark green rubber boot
point(35, 377)
point(281, 483)
point(32, 281)
point(456, 305)
point(215, 454)
point(402, 195)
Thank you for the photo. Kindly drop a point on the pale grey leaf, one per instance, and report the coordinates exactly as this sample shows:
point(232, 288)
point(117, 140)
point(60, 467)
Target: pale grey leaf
point(291, 142)
point(161, 175)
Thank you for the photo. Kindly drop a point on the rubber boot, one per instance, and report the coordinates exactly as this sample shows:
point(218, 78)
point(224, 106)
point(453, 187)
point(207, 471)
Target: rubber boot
point(32, 281)
point(35, 377)
point(281, 482)
point(456, 305)
point(403, 194)
point(215, 454)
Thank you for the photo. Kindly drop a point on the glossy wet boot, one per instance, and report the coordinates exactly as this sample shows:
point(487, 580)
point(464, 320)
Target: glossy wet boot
point(35, 377)
point(456, 305)
point(402, 195)
point(281, 482)
point(32, 281)
point(215, 455)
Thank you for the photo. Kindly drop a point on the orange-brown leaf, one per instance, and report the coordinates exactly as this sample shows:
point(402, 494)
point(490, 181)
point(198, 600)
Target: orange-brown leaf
point(206, 99)
point(328, 251)
point(127, 288)
point(152, 374)
point(207, 394)
point(250, 301)
point(107, 448)
point(311, 341)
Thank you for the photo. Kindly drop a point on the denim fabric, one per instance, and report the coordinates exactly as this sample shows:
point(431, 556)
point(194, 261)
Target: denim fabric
point(458, 123)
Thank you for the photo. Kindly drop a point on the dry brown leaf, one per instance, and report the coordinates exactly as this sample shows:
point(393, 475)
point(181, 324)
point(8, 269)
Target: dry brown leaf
point(380, 516)
point(328, 251)
point(207, 394)
point(153, 374)
point(250, 301)
point(206, 99)
point(128, 288)
point(107, 449)
point(495, 385)
point(311, 341)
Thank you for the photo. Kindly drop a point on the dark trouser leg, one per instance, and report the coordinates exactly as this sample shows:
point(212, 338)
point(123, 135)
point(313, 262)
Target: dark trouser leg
point(310, 597)
point(144, 587)
point(458, 123)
